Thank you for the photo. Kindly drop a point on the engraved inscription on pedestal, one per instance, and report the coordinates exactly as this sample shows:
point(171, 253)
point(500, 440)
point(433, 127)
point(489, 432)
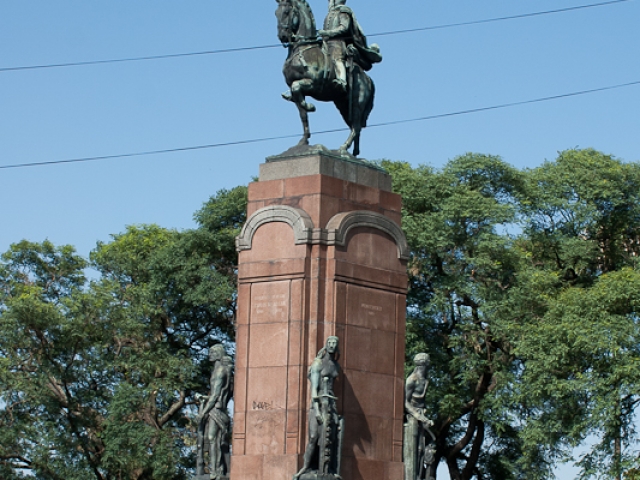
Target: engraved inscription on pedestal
point(271, 305)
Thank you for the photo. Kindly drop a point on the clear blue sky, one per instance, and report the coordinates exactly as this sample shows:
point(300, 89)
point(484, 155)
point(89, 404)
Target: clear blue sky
point(63, 113)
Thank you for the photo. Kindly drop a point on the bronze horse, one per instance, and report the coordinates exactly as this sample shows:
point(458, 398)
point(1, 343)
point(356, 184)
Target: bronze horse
point(310, 72)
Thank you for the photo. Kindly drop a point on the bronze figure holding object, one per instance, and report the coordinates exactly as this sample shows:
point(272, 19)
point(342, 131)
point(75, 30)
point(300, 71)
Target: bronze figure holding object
point(213, 419)
point(418, 449)
point(323, 454)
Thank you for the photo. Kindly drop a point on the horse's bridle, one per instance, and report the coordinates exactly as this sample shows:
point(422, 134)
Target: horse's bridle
point(288, 29)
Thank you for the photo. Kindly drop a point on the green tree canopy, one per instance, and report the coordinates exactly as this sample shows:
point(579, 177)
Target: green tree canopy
point(524, 290)
point(463, 264)
point(95, 377)
point(577, 307)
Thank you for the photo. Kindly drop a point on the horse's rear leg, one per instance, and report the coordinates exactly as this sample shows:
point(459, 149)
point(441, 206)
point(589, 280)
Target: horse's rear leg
point(354, 135)
point(356, 144)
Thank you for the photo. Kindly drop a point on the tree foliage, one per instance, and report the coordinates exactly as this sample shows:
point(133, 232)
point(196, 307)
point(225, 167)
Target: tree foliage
point(580, 344)
point(462, 265)
point(524, 290)
point(96, 377)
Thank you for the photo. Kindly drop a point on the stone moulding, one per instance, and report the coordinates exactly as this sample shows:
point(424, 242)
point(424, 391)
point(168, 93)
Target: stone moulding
point(298, 219)
point(334, 234)
point(341, 224)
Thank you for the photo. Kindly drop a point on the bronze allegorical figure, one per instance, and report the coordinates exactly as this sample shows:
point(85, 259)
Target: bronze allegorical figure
point(419, 448)
point(323, 454)
point(213, 418)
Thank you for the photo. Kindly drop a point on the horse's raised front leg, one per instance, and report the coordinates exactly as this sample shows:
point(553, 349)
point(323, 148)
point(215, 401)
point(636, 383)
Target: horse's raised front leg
point(299, 88)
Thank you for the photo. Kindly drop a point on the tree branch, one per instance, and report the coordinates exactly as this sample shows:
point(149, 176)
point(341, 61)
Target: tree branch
point(472, 461)
point(175, 408)
point(466, 439)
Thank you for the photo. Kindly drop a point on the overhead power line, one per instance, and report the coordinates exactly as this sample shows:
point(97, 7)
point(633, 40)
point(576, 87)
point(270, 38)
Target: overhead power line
point(322, 132)
point(507, 105)
point(498, 19)
point(138, 59)
point(263, 47)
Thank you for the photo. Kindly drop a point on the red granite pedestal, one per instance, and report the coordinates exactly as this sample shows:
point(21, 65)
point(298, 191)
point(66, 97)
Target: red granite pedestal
point(322, 254)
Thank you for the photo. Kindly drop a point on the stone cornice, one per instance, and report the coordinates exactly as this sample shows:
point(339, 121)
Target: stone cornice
point(335, 233)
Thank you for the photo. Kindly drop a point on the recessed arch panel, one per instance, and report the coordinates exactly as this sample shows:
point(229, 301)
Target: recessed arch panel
point(335, 232)
point(341, 224)
point(298, 219)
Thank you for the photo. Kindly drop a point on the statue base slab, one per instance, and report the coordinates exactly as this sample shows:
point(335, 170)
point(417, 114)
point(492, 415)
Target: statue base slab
point(208, 476)
point(318, 160)
point(306, 150)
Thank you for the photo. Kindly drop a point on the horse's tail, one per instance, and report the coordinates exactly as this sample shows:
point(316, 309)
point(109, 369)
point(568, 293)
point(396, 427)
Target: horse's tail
point(357, 104)
point(369, 104)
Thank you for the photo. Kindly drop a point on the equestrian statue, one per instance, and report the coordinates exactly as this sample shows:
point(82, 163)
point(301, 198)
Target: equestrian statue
point(328, 65)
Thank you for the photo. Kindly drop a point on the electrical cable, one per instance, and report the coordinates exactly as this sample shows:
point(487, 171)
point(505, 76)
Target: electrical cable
point(263, 47)
point(497, 19)
point(507, 105)
point(137, 59)
point(322, 132)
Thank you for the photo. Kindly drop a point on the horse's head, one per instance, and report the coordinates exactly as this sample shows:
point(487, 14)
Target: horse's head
point(295, 21)
point(288, 21)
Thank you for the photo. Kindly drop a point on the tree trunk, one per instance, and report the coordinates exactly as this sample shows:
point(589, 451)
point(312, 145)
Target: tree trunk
point(617, 457)
point(617, 442)
point(476, 448)
point(476, 431)
point(454, 469)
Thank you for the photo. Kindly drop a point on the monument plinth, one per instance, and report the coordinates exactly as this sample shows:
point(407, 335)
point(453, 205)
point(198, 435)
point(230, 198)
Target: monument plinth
point(322, 254)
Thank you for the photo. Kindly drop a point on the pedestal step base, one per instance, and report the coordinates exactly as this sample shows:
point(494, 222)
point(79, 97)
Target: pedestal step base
point(207, 476)
point(318, 476)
